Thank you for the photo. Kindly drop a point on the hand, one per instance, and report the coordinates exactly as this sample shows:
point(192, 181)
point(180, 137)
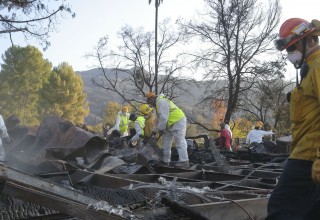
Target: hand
point(153, 133)
point(145, 141)
point(7, 140)
point(316, 171)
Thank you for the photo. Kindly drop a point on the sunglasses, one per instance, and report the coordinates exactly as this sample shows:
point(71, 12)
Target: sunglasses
point(291, 48)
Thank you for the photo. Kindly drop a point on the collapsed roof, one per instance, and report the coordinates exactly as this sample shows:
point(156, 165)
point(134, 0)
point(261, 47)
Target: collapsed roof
point(60, 171)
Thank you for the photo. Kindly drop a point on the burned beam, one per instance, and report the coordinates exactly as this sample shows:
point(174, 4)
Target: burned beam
point(36, 190)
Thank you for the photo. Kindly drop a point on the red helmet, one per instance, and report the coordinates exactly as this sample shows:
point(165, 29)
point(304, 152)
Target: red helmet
point(291, 31)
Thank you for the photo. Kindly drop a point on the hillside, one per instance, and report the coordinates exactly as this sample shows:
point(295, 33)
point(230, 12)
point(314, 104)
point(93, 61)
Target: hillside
point(98, 97)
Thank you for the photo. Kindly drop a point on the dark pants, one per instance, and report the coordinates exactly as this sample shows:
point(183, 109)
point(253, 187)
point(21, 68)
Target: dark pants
point(296, 196)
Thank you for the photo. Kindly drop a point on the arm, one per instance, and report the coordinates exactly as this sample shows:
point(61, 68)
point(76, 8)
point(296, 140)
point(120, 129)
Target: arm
point(138, 132)
point(267, 133)
point(248, 138)
point(3, 129)
point(116, 126)
point(163, 115)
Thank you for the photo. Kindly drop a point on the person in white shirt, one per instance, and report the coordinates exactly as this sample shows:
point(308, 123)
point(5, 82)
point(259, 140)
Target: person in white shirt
point(256, 134)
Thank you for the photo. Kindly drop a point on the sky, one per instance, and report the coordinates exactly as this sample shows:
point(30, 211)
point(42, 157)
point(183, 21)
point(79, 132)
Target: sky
point(97, 18)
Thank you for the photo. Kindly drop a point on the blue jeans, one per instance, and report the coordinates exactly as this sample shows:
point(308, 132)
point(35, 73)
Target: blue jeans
point(296, 196)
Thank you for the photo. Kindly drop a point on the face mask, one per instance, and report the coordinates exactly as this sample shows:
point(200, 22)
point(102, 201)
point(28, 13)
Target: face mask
point(295, 57)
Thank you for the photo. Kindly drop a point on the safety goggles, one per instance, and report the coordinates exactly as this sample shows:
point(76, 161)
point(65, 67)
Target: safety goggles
point(297, 32)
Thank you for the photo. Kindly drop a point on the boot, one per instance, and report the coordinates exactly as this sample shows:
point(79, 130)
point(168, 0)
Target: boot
point(184, 164)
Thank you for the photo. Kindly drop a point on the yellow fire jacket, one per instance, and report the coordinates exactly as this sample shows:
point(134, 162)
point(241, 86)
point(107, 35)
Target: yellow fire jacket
point(305, 113)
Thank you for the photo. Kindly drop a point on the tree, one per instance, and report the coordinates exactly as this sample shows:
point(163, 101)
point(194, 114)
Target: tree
point(22, 76)
point(132, 73)
point(236, 36)
point(35, 18)
point(267, 102)
point(156, 4)
point(241, 127)
point(111, 112)
point(63, 95)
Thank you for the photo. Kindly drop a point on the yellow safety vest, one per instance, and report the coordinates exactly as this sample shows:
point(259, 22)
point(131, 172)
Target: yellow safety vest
point(175, 113)
point(141, 121)
point(124, 122)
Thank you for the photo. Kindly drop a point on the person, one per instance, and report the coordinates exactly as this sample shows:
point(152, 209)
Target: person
point(296, 195)
point(122, 122)
point(225, 137)
point(256, 134)
point(146, 111)
point(139, 122)
point(106, 129)
point(3, 135)
point(228, 128)
point(171, 123)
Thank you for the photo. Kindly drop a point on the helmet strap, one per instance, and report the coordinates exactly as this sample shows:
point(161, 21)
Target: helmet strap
point(304, 48)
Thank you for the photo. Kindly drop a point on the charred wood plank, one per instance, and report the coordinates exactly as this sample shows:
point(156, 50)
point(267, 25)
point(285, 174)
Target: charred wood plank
point(31, 188)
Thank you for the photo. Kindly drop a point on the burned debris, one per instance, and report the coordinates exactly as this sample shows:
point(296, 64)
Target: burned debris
point(61, 171)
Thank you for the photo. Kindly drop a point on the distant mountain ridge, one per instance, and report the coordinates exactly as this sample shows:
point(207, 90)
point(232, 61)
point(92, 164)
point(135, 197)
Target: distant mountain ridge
point(98, 97)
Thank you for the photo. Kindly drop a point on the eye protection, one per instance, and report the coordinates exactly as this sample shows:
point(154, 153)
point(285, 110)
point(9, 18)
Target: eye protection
point(297, 32)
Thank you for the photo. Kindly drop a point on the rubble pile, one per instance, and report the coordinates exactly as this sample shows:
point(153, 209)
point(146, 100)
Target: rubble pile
point(76, 174)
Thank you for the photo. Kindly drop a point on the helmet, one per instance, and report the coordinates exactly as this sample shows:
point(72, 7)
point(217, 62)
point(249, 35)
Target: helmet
point(291, 31)
point(145, 109)
point(259, 124)
point(125, 109)
point(133, 117)
point(150, 94)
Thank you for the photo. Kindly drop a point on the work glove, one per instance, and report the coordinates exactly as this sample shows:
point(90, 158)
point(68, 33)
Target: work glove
point(7, 140)
point(145, 141)
point(129, 142)
point(316, 169)
point(160, 133)
point(153, 133)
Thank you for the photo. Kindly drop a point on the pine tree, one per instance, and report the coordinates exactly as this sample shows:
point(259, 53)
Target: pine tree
point(22, 76)
point(63, 95)
point(111, 112)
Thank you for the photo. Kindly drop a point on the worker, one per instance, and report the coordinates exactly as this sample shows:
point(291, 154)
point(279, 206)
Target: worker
point(146, 111)
point(139, 122)
point(3, 135)
point(225, 138)
point(297, 196)
point(105, 130)
point(256, 134)
point(122, 122)
point(171, 123)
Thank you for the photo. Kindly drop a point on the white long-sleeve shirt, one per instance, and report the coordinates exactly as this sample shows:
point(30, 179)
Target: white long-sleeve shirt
point(138, 132)
point(256, 135)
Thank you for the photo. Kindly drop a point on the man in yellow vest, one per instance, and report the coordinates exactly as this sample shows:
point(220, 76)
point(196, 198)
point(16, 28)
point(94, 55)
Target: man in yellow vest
point(171, 123)
point(122, 121)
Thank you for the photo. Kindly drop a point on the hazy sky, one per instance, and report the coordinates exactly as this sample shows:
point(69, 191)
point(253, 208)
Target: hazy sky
point(97, 18)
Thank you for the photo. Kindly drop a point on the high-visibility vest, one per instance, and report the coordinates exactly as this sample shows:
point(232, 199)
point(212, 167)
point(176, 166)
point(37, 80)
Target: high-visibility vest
point(175, 113)
point(124, 122)
point(141, 121)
